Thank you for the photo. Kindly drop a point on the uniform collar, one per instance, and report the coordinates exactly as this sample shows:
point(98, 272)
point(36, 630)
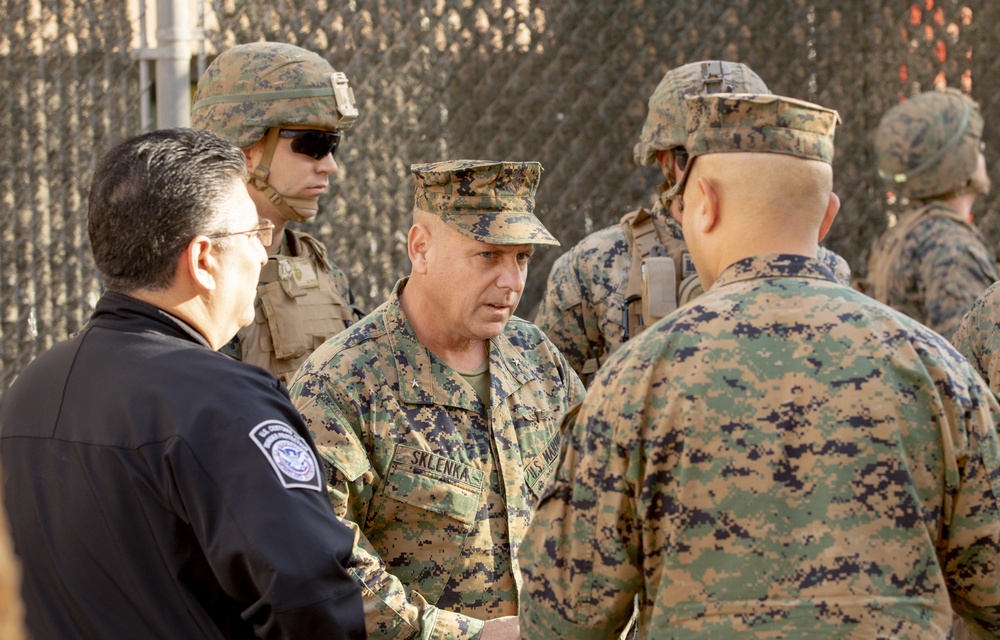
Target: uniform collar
point(424, 378)
point(775, 265)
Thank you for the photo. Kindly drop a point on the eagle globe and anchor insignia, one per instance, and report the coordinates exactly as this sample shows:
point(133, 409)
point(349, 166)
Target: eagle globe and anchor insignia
point(289, 455)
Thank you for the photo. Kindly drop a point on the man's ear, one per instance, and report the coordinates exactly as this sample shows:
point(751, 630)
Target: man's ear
point(418, 244)
point(707, 217)
point(832, 207)
point(198, 263)
point(253, 154)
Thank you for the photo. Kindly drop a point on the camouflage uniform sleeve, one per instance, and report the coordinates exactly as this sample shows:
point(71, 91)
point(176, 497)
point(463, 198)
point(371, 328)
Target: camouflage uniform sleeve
point(955, 269)
point(974, 337)
point(391, 609)
point(564, 317)
point(971, 540)
point(579, 557)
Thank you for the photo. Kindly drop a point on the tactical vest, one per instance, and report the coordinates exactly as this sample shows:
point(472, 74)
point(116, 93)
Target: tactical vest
point(297, 308)
point(659, 280)
point(885, 253)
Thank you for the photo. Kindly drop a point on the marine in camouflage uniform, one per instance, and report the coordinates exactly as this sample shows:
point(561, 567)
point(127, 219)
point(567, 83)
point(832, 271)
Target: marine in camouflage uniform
point(617, 281)
point(978, 336)
point(933, 263)
point(437, 465)
point(782, 457)
point(287, 108)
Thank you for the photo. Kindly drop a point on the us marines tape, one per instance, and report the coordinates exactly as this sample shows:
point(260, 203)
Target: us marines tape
point(289, 454)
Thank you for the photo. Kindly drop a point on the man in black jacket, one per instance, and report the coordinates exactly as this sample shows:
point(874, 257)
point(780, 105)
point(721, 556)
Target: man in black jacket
point(156, 488)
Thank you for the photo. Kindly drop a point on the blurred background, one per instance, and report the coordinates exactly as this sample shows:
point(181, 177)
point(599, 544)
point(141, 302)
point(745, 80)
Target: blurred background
point(562, 82)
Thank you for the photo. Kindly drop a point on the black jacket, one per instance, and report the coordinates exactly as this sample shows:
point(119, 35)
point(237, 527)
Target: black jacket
point(158, 489)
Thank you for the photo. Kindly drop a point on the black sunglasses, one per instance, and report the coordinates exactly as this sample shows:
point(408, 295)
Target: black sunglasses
point(681, 154)
point(312, 142)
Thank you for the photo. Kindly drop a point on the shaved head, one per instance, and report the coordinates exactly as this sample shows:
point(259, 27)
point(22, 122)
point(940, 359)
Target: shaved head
point(737, 205)
point(783, 192)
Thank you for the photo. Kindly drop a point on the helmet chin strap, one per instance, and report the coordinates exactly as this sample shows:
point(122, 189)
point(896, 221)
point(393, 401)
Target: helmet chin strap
point(974, 185)
point(298, 209)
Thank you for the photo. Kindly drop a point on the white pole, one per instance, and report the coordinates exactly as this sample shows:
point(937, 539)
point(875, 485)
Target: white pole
point(173, 64)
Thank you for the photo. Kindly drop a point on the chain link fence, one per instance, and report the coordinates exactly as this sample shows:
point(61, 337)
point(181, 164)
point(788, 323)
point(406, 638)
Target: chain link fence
point(563, 83)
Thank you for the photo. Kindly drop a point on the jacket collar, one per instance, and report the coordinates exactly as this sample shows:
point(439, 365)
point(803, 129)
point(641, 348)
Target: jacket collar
point(120, 308)
point(424, 378)
point(784, 265)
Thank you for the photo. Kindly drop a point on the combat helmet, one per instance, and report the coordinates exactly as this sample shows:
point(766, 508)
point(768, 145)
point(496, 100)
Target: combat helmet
point(666, 123)
point(252, 90)
point(928, 146)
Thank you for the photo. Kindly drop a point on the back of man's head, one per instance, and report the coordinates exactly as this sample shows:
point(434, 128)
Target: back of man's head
point(762, 163)
point(151, 195)
point(744, 125)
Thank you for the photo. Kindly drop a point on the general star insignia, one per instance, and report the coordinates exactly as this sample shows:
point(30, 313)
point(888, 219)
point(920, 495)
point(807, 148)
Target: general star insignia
point(414, 383)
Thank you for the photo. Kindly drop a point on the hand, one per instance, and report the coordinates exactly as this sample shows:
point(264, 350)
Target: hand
point(505, 628)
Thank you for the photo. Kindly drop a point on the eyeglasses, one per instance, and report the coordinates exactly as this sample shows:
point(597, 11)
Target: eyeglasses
point(314, 143)
point(681, 155)
point(264, 233)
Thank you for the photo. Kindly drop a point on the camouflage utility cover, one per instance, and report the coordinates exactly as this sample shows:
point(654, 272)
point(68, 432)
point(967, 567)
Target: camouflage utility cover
point(252, 87)
point(783, 457)
point(760, 124)
point(665, 126)
point(931, 266)
point(488, 201)
point(746, 123)
point(929, 145)
point(978, 336)
point(439, 487)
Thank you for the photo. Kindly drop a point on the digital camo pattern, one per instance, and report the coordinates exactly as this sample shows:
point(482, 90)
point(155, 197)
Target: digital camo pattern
point(929, 145)
point(488, 201)
point(439, 488)
point(733, 123)
point(934, 270)
point(581, 311)
point(666, 120)
point(783, 457)
point(762, 124)
point(252, 87)
point(978, 336)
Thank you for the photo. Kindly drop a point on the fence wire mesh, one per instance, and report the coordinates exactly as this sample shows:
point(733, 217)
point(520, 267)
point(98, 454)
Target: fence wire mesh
point(564, 83)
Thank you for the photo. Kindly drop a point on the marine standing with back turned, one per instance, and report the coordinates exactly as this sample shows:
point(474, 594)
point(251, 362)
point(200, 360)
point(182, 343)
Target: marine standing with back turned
point(617, 281)
point(287, 108)
point(783, 457)
point(934, 263)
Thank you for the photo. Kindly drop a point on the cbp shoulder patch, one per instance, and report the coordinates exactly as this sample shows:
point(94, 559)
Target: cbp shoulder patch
point(289, 455)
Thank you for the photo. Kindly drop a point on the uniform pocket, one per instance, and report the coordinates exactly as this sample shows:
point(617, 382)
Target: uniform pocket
point(435, 483)
point(423, 512)
point(288, 336)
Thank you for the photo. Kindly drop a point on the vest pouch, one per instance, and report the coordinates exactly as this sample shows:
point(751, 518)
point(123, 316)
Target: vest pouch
point(659, 288)
point(689, 290)
point(288, 335)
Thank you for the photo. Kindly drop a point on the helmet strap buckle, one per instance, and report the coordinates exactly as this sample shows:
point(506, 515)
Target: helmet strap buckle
point(716, 77)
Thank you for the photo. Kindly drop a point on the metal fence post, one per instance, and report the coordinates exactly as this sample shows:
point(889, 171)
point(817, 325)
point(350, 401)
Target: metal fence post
point(173, 64)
